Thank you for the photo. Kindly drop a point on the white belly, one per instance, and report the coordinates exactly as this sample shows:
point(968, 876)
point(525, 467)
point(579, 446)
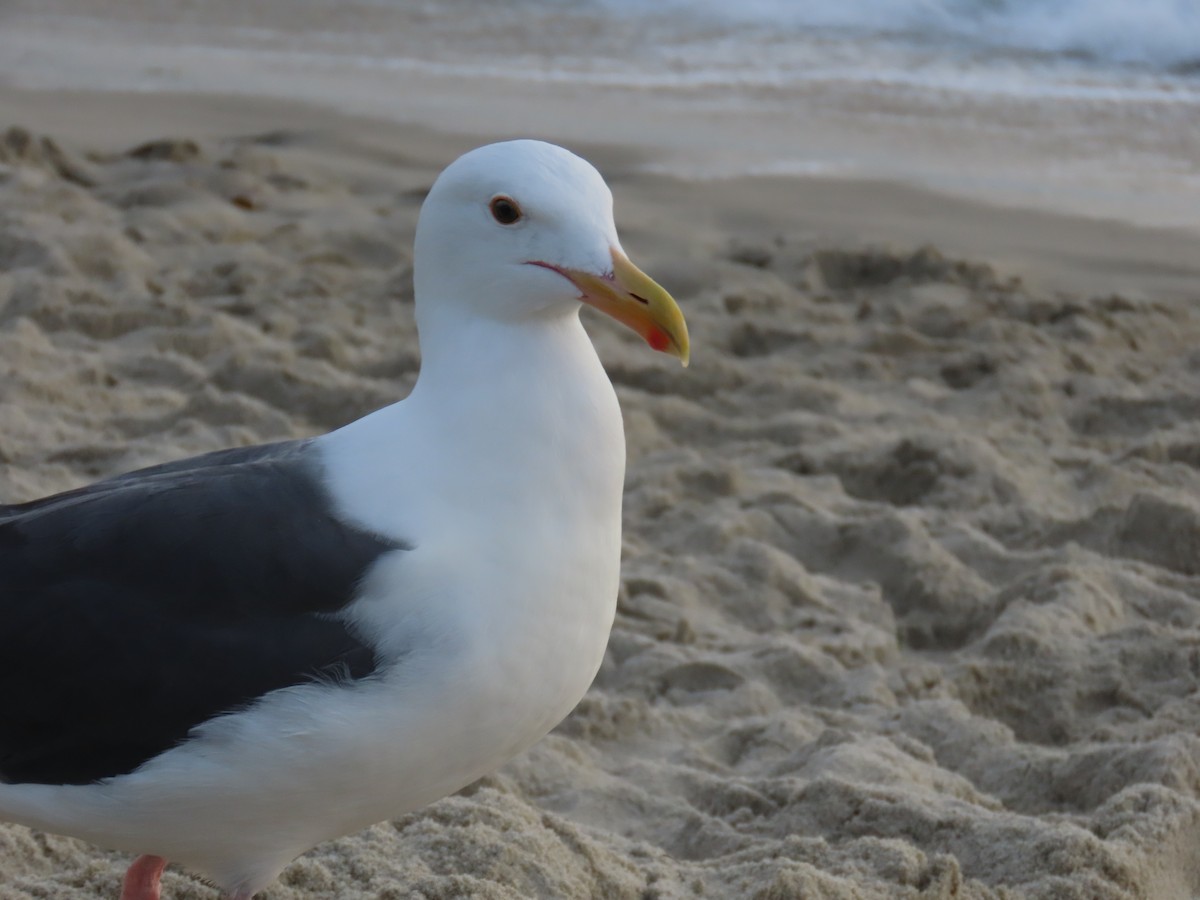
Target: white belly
point(489, 630)
point(477, 678)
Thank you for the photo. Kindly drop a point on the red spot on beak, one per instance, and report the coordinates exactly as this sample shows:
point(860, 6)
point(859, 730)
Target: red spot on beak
point(658, 340)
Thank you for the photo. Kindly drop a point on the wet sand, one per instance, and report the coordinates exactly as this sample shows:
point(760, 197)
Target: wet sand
point(682, 92)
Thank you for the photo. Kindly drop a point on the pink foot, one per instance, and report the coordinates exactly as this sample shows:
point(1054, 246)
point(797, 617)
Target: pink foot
point(142, 879)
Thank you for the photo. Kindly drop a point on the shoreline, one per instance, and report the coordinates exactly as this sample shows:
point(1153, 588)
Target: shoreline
point(1097, 156)
point(1067, 251)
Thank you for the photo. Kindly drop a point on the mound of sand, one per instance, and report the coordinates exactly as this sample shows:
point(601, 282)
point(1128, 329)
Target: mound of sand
point(911, 597)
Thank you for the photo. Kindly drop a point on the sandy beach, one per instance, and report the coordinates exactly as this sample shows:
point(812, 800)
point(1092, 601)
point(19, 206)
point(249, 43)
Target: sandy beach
point(911, 579)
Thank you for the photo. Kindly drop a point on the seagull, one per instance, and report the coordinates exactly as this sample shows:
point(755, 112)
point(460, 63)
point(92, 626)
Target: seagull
point(226, 660)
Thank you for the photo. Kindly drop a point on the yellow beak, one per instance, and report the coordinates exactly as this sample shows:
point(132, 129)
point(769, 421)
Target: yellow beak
point(633, 298)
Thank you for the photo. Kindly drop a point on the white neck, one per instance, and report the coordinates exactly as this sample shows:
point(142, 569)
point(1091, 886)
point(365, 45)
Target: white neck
point(503, 416)
point(503, 471)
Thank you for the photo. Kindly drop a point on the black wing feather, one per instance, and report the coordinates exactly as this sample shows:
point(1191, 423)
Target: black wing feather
point(136, 608)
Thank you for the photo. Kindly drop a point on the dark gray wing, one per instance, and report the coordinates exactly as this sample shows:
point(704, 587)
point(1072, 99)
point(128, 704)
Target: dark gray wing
point(136, 608)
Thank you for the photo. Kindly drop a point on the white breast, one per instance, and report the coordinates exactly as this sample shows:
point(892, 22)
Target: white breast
point(508, 486)
point(490, 628)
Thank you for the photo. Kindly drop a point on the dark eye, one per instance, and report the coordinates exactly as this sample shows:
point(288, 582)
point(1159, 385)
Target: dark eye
point(505, 210)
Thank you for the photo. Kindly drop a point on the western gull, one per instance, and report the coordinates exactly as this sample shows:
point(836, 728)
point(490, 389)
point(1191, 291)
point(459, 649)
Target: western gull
point(226, 660)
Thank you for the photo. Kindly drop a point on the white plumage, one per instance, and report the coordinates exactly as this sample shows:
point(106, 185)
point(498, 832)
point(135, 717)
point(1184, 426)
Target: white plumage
point(500, 480)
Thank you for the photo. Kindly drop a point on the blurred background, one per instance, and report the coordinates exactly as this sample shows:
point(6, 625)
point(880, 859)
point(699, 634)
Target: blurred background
point(1084, 105)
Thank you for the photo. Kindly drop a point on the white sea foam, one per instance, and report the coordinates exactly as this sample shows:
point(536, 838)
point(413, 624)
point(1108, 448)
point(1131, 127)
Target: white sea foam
point(1121, 50)
point(1139, 51)
point(1158, 33)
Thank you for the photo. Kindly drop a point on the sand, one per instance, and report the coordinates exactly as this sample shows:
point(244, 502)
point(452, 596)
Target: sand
point(1118, 142)
point(911, 588)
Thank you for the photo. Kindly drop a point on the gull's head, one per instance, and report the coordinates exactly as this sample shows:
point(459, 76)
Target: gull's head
point(522, 230)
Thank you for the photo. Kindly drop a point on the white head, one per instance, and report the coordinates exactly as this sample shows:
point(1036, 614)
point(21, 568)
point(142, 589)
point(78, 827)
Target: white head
point(523, 230)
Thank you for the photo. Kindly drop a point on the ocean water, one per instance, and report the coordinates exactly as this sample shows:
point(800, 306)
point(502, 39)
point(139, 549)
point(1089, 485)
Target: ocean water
point(1131, 49)
point(1156, 34)
point(1106, 49)
point(1087, 104)
point(1115, 49)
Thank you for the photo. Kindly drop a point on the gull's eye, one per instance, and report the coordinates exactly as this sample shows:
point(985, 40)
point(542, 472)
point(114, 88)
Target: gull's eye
point(505, 210)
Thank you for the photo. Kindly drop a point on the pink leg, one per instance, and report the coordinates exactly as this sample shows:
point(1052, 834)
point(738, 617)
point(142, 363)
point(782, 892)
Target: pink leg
point(142, 879)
